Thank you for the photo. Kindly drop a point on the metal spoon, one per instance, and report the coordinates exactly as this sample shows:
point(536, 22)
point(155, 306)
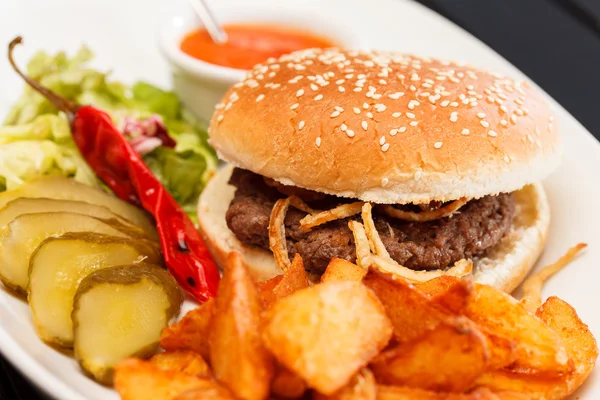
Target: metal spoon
point(217, 34)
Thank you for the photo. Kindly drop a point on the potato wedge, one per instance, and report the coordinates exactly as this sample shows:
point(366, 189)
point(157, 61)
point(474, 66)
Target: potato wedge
point(580, 345)
point(452, 293)
point(342, 270)
point(59, 264)
point(538, 348)
point(287, 384)
point(24, 234)
point(361, 387)
point(24, 205)
point(183, 362)
point(448, 359)
point(238, 356)
point(294, 278)
point(327, 333)
point(404, 393)
point(206, 392)
point(139, 380)
point(120, 312)
point(191, 332)
point(411, 311)
point(576, 336)
point(56, 187)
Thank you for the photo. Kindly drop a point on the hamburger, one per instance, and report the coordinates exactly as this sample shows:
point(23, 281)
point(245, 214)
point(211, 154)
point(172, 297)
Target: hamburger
point(449, 157)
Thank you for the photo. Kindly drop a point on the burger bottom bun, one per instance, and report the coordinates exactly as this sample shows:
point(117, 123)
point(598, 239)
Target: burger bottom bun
point(504, 267)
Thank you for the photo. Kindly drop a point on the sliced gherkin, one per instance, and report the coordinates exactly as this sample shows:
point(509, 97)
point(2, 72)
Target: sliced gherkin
point(120, 312)
point(59, 264)
point(57, 187)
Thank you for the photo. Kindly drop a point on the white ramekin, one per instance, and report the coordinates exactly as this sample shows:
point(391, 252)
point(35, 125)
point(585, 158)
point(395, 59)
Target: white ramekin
point(201, 85)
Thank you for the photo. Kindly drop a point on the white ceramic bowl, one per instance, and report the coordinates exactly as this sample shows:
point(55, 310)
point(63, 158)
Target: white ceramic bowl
point(201, 85)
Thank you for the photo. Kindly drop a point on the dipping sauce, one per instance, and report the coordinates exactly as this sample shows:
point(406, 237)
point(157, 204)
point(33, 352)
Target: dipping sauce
point(249, 44)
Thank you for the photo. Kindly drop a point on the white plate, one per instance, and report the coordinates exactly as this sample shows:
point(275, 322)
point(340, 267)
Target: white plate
point(122, 34)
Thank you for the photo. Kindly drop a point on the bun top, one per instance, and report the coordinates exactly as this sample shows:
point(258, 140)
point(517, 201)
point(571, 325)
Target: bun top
point(386, 127)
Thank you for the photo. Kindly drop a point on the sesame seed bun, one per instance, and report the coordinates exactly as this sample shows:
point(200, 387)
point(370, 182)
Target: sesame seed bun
point(386, 128)
point(504, 267)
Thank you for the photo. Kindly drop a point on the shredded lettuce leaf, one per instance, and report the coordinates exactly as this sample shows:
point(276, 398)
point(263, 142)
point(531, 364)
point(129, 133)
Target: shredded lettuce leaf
point(35, 138)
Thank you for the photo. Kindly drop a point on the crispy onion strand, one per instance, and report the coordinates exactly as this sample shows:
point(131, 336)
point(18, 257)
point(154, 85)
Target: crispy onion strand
point(424, 216)
point(322, 217)
point(532, 287)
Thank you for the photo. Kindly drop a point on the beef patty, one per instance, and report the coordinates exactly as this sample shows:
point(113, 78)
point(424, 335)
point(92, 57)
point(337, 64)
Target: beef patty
point(476, 227)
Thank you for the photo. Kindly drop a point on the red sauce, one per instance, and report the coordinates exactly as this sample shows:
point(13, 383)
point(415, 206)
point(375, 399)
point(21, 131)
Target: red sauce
point(249, 45)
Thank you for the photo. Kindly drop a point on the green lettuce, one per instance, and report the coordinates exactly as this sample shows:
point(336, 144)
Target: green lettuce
point(34, 124)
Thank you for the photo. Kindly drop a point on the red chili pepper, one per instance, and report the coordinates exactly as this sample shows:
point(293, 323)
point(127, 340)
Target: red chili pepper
point(110, 155)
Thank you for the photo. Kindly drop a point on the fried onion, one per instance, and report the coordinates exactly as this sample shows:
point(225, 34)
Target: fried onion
point(461, 268)
point(532, 287)
point(322, 217)
point(424, 216)
point(277, 241)
point(377, 246)
point(363, 252)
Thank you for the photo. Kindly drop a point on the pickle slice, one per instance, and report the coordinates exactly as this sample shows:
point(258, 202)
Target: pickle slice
point(120, 312)
point(59, 264)
point(57, 187)
point(20, 238)
point(27, 205)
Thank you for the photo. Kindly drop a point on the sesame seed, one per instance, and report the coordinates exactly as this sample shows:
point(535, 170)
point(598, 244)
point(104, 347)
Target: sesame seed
point(300, 125)
point(349, 76)
point(485, 124)
point(382, 140)
point(382, 81)
point(465, 131)
point(519, 112)
point(338, 108)
point(481, 115)
point(393, 132)
point(335, 114)
point(350, 133)
point(432, 99)
point(341, 89)
point(364, 125)
point(551, 118)
point(384, 181)
point(503, 108)
point(219, 106)
point(356, 110)
point(490, 99)
point(445, 103)
point(414, 123)
point(492, 133)
point(507, 159)
point(385, 147)
point(276, 86)
point(361, 76)
point(410, 115)
point(503, 122)
point(220, 118)
point(454, 104)
point(343, 127)
point(396, 114)
point(519, 102)
point(299, 92)
point(418, 175)
point(319, 97)
point(396, 96)
point(369, 114)
point(513, 119)
point(413, 88)
point(260, 97)
point(380, 107)
point(411, 106)
point(318, 141)
point(357, 89)
point(403, 129)
point(365, 106)
point(314, 87)
point(294, 106)
point(340, 81)
point(437, 145)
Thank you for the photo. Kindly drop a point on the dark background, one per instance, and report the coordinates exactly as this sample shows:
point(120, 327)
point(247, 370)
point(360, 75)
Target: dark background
point(555, 42)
